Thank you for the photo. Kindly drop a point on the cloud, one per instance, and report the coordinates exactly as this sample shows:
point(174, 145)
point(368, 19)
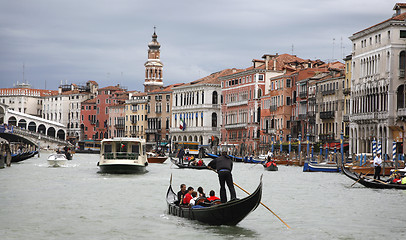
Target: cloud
point(106, 41)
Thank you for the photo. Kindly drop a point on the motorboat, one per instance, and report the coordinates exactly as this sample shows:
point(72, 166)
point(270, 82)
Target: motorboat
point(123, 156)
point(56, 160)
point(155, 158)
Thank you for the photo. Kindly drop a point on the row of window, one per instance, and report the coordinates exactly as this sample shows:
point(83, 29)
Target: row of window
point(241, 80)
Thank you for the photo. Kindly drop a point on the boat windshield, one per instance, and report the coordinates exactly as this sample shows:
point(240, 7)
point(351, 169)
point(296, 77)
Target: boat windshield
point(121, 150)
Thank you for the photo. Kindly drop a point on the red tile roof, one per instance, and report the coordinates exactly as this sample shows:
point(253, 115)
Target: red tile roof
point(400, 17)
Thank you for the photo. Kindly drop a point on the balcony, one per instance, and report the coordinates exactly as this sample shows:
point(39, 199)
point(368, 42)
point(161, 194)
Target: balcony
point(327, 115)
point(303, 94)
point(269, 131)
point(347, 91)
point(326, 137)
point(194, 129)
point(151, 130)
point(302, 116)
point(328, 92)
point(401, 73)
point(273, 108)
point(195, 106)
point(311, 114)
point(238, 103)
point(401, 112)
point(119, 125)
point(370, 117)
point(346, 118)
point(236, 126)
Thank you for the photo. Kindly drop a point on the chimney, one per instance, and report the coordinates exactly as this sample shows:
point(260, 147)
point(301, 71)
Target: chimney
point(399, 8)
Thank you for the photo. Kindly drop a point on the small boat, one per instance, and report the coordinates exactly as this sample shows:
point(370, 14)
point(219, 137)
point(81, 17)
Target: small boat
point(56, 160)
point(187, 165)
point(252, 160)
point(229, 213)
point(22, 156)
point(372, 183)
point(153, 158)
point(123, 156)
point(270, 166)
point(320, 167)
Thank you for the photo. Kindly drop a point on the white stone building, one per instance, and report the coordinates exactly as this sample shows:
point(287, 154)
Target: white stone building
point(378, 108)
point(197, 104)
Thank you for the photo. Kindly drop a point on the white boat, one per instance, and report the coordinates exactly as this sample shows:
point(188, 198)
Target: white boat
point(123, 155)
point(56, 160)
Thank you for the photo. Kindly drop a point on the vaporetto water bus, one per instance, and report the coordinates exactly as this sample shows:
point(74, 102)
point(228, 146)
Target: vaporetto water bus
point(123, 155)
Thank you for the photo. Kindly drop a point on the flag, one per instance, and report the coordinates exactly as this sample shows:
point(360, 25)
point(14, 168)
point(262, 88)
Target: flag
point(182, 125)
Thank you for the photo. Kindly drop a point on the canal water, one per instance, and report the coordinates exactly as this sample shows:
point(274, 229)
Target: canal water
point(76, 202)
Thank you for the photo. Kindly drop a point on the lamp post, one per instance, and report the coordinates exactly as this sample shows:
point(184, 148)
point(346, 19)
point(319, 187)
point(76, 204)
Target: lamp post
point(342, 147)
point(280, 143)
point(308, 148)
point(290, 144)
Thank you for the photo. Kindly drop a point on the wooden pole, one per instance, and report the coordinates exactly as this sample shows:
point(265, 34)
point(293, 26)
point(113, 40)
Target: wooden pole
point(263, 205)
point(360, 177)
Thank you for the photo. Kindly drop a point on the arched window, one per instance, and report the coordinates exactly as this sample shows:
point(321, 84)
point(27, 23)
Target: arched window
point(214, 119)
point(214, 98)
point(401, 97)
point(402, 64)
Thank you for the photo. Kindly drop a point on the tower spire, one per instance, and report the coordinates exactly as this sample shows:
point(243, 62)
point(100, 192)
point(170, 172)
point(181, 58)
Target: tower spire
point(153, 67)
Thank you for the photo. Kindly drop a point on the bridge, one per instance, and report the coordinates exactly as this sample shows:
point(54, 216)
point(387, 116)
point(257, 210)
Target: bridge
point(34, 129)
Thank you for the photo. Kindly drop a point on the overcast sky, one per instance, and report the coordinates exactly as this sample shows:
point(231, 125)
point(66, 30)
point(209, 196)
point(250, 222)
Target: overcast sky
point(106, 41)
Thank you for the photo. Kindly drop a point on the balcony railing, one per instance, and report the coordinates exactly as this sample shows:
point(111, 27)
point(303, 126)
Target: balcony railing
point(236, 125)
point(302, 116)
point(346, 118)
point(326, 137)
point(368, 117)
point(238, 103)
point(151, 131)
point(347, 91)
point(402, 112)
point(119, 125)
point(273, 108)
point(303, 94)
point(327, 115)
point(328, 92)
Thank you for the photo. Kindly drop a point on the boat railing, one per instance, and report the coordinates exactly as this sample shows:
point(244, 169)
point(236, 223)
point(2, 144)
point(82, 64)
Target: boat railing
point(121, 155)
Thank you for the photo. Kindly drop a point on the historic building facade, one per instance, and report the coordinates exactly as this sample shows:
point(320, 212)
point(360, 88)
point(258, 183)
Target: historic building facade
point(378, 108)
point(196, 112)
point(136, 115)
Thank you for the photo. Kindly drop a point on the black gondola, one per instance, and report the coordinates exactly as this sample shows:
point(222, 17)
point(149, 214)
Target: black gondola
point(370, 183)
point(187, 165)
point(230, 213)
point(22, 156)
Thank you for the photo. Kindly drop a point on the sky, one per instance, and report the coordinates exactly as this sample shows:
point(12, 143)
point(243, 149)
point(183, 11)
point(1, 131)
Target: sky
point(49, 42)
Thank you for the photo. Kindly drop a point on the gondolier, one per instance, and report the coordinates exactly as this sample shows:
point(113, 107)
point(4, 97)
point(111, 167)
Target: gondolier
point(377, 166)
point(224, 166)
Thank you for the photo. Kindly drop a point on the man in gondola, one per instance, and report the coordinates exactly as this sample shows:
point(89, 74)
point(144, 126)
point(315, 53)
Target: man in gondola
point(181, 153)
point(181, 193)
point(224, 165)
point(377, 166)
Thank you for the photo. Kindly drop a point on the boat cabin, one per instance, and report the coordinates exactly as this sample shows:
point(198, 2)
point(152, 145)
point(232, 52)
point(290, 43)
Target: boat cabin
point(123, 149)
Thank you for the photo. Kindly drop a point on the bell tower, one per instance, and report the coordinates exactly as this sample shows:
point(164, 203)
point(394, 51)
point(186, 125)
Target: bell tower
point(153, 67)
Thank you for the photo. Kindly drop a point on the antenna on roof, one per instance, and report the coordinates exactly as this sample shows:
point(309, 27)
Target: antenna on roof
point(23, 72)
point(332, 59)
point(292, 48)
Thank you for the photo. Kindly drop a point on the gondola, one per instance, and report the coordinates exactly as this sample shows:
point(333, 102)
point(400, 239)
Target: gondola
point(320, 167)
point(370, 183)
point(22, 156)
point(271, 167)
point(186, 165)
point(229, 213)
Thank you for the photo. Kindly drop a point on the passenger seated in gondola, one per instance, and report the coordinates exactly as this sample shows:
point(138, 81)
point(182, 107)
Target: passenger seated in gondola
point(403, 180)
point(212, 197)
point(188, 196)
point(270, 163)
point(181, 194)
point(200, 162)
point(192, 201)
point(201, 192)
point(397, 179)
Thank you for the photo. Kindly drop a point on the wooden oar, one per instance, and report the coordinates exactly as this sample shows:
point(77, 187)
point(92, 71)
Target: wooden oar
point(263, 205)
point(259, 202)
point(377, 180)
point(359, 178)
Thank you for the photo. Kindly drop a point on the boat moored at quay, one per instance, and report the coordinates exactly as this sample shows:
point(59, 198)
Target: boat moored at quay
point(123, 156)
